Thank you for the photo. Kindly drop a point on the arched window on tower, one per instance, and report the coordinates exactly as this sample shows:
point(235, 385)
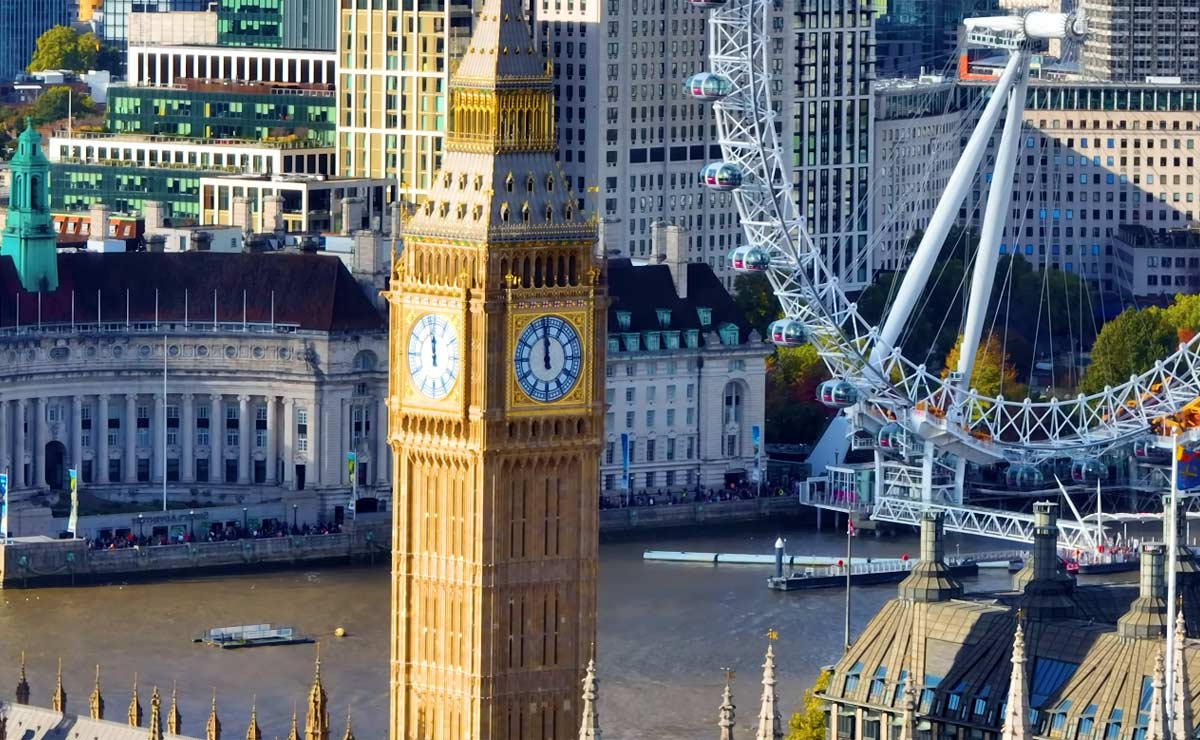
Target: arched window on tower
point(35, 193)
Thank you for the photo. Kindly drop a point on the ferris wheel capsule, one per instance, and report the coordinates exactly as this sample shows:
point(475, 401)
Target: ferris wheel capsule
point(721, 176)
point(1146, 449)
point(893, 437)
point(838, 394)
point(787, 332)
point(708, 86)
point(756, 259)
point(1024, 477)
point(1088, 470)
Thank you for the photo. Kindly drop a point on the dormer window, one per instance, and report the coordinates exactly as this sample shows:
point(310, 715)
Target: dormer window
point(477, 212)
point(664, 317)
point(549, 214)
point(704, 315)
point(504, 212)
point(632, 342)
point(446, 180)
point(478, 182)
point(729, 334)
point(525, 213)
point(651, 340)
point(461, 210)
point(550, 183)
point(614, 344)
point(462, 181)
point(691, 338)
point(569, 212)
point(529, 184)
point(508, 183)
point(623, 319)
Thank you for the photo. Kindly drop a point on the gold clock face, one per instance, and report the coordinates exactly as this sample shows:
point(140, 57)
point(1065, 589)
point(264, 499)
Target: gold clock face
point(433, 356)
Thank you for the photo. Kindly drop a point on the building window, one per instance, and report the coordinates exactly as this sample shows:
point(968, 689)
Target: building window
point(650, 476)
point(260, 426)
point(114, 471)
point(670, 418)
point(609, 452)
point(202, 422)
point(53, 412)
point(360, 424)
point(173, 425)
point(731, 445)
point(202, 468)
point(650, 450)
point(670, 449)
point(172, 469)
point(650, 418)
point(143, 429)
point(143, 470)
point(609, 480)
point(302, 430)
point(231, 471)
point(630, 395)
point(691, 447)
point(733, 404)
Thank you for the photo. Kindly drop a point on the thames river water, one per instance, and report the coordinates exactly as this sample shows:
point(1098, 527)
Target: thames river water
point(665, 633)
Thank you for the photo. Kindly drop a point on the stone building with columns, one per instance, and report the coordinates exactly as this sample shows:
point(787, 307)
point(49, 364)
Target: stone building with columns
point(275, 369)
point(250, 374)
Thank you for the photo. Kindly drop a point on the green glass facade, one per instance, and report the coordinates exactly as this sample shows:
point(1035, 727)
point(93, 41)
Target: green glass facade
point(307, 116)
point(75, 187)
point(257, 23)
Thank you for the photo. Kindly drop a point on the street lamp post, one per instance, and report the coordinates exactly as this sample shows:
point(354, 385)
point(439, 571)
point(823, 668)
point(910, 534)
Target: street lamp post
point(192, 525)
point(139, 528)
point(245, 526)
point(294, 508)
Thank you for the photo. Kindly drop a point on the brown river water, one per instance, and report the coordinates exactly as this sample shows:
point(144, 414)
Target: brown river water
point(665, 633)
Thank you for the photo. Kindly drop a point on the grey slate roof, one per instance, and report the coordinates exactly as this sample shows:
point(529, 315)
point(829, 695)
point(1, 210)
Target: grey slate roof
point(27, 722)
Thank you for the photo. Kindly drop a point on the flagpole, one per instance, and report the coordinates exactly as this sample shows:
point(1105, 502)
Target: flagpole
point(164, 419)
point(1172, 558)
point(849, 529)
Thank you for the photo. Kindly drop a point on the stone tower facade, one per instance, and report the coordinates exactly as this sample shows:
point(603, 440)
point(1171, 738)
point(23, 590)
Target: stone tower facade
point(28, 232)
point(497, 369)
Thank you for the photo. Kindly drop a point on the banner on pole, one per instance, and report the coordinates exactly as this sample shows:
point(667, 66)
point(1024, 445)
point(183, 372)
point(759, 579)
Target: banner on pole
point(351, 460)
point(1189, 469)
point(4, 507)
point(624, 461)
point(73, 521)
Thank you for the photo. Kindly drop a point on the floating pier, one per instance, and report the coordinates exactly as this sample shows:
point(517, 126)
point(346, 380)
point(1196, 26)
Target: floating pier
point(250, 635)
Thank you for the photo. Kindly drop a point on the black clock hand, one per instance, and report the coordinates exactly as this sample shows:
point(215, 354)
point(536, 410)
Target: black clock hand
point(545, 344)
point(433, 349)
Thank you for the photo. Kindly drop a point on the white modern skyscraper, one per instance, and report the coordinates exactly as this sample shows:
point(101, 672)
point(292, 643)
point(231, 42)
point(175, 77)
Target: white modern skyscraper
point(627, 127)
point(835, 47)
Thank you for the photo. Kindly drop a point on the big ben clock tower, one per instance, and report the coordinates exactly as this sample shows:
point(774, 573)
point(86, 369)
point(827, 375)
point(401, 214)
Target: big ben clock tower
point(497, 354)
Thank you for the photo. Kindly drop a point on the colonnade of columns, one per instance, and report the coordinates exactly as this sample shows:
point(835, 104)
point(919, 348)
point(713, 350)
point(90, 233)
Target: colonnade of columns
point(130, 427)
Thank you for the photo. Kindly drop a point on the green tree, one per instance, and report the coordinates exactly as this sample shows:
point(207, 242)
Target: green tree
point(111, 58)
point(1128, 345)
point(794, 415)
point(992, 374)
point(809, 723)
point(55, 102)
point(753, 294)
point(63, 47)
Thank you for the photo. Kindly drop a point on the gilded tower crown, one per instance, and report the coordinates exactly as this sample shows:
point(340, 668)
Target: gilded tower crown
point(499, 179)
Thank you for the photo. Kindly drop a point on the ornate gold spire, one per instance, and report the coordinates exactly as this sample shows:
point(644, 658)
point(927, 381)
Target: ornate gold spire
point(349, 727)
point(589, 728)
point(96, 701)
point(58, 700)
point(134, 716)
point(726, 719)
point(252, 730)
point(294, 733)
point(174, 718)
point(212, 729)
point(22, 683)
point(316, 723)
point(155, 716)
point(770, 724)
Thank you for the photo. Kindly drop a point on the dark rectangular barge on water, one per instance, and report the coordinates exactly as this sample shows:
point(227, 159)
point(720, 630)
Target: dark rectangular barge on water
point(866, 575)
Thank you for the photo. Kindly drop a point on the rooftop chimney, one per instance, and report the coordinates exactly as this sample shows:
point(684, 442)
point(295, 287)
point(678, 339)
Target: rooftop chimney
point(1147, 615)
point(930, 579)
point(152, 214)
point(1047, 594)
point(241, 214)
point(272, 214)
point(670, 246)
point(99, 217)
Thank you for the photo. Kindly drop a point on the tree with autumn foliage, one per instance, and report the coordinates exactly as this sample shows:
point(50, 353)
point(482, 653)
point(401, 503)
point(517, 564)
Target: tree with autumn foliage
point(794, 415)
point(809, 722)
point(993, 374)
